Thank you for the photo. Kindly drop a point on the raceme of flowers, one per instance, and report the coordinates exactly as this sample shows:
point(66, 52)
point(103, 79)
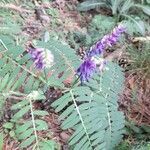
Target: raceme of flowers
point(89, 66)
point(42, 58)
point(107, 40)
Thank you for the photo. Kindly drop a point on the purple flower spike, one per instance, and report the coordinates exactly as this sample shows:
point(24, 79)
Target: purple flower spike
point(41, 57)
point(86, 70)
point(91, 63)
point(107, 40)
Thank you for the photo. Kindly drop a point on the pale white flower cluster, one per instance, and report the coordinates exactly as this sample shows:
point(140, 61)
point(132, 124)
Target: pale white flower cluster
point(42, 58)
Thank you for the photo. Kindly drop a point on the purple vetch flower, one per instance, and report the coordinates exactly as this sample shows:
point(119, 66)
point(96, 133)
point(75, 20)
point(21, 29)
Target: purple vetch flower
point(107, 40)
point(91, 61)
point(41, 57)
point(89, 67)
point(86, 70)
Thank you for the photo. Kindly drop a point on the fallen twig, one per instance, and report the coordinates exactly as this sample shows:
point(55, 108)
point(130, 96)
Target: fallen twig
point(142, 39)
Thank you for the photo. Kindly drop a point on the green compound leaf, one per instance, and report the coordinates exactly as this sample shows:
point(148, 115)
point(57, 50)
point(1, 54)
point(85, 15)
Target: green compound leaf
point(93, 112)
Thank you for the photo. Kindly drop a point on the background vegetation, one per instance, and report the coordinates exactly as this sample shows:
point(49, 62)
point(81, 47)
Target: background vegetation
point(50, 109)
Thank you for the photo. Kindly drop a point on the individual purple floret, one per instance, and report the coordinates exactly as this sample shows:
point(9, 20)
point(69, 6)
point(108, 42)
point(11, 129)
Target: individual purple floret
point(86, 70)
point(41, 57)
point(89, 67)
point(107, 40)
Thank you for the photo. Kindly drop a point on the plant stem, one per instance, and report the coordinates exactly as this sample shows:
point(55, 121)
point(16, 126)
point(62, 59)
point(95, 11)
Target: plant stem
point(33, 122)
point(80, 116)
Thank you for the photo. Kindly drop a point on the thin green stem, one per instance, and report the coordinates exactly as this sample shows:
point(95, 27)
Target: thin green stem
point(100, 80)
point(45, 75)
point(3, 44)
point(76, 81)
point(108, 116)
point(33, 122)
point(80, 116)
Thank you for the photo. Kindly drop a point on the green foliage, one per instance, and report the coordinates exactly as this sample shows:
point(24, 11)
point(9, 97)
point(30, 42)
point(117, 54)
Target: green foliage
point(7, 1)
point(9, 129)
point(98, 26)
point(88, 4)
point(122, 10)
point(141, 60)
point(69, 62)
point(27, 132)
point(92, 108)
point(48, 144)
point(17, 71)
point(8, 125)
point(92, 111)
point(9, 21)
point(142, 146)
point(1, 140)
point(139, 132)
point(117, 6)
point(124, 145)
point(148, 1)
point(138, 26)
point(8, 25)
point(145, 9)
point(137, 137)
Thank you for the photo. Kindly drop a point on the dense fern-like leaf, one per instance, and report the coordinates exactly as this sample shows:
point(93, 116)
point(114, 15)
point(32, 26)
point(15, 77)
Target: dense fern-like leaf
point(92, 111)
point(48, 144)
point(65, 61)
point(111, 83)
point(27, 132)
point(18, 72)
point(16, 64)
